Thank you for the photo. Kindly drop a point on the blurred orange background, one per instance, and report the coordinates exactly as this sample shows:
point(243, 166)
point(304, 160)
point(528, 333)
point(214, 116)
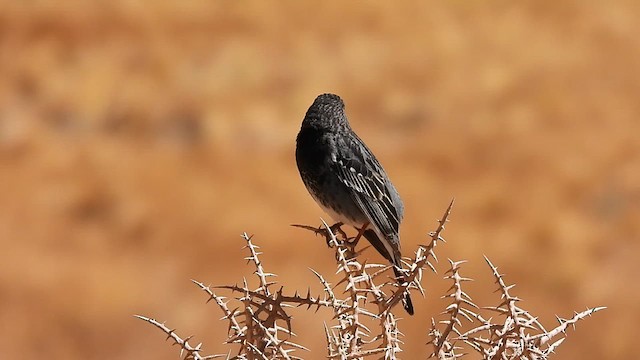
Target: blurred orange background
point(138, 140)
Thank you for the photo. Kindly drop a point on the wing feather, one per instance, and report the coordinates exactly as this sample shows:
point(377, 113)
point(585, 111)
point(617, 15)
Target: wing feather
point(369, 186)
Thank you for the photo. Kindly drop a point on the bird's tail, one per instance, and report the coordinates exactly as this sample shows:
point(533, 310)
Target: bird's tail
point(406, 301)
point(373, 238)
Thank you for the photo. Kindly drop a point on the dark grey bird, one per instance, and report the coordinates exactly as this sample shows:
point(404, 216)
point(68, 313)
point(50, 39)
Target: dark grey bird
point(347, 181)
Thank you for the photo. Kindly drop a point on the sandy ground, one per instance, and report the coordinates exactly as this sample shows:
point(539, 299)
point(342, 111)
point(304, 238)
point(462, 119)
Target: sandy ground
point(138, 140)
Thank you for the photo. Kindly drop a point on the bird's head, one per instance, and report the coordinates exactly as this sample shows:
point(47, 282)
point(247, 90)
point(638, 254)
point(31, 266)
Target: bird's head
point(326, 114)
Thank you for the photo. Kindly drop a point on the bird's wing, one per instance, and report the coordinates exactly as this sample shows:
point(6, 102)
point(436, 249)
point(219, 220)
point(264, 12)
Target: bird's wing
point(360, 171)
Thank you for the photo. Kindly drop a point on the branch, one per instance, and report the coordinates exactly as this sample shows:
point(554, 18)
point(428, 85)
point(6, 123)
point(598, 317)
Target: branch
point(191, 351)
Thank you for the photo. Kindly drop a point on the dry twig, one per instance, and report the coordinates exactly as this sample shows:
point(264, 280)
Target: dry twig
point(518, 334)
point(260, 323)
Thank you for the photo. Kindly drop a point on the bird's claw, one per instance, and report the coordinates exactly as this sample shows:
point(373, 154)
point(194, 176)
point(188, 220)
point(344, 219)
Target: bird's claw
point(353, 241)
point(336, 228)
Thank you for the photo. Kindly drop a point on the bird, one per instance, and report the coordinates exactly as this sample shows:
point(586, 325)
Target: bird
point(347, 181)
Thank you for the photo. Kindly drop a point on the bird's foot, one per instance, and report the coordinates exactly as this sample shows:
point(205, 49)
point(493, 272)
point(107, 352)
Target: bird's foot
point(354, 240)
point(337, 229)
point(334, 230)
